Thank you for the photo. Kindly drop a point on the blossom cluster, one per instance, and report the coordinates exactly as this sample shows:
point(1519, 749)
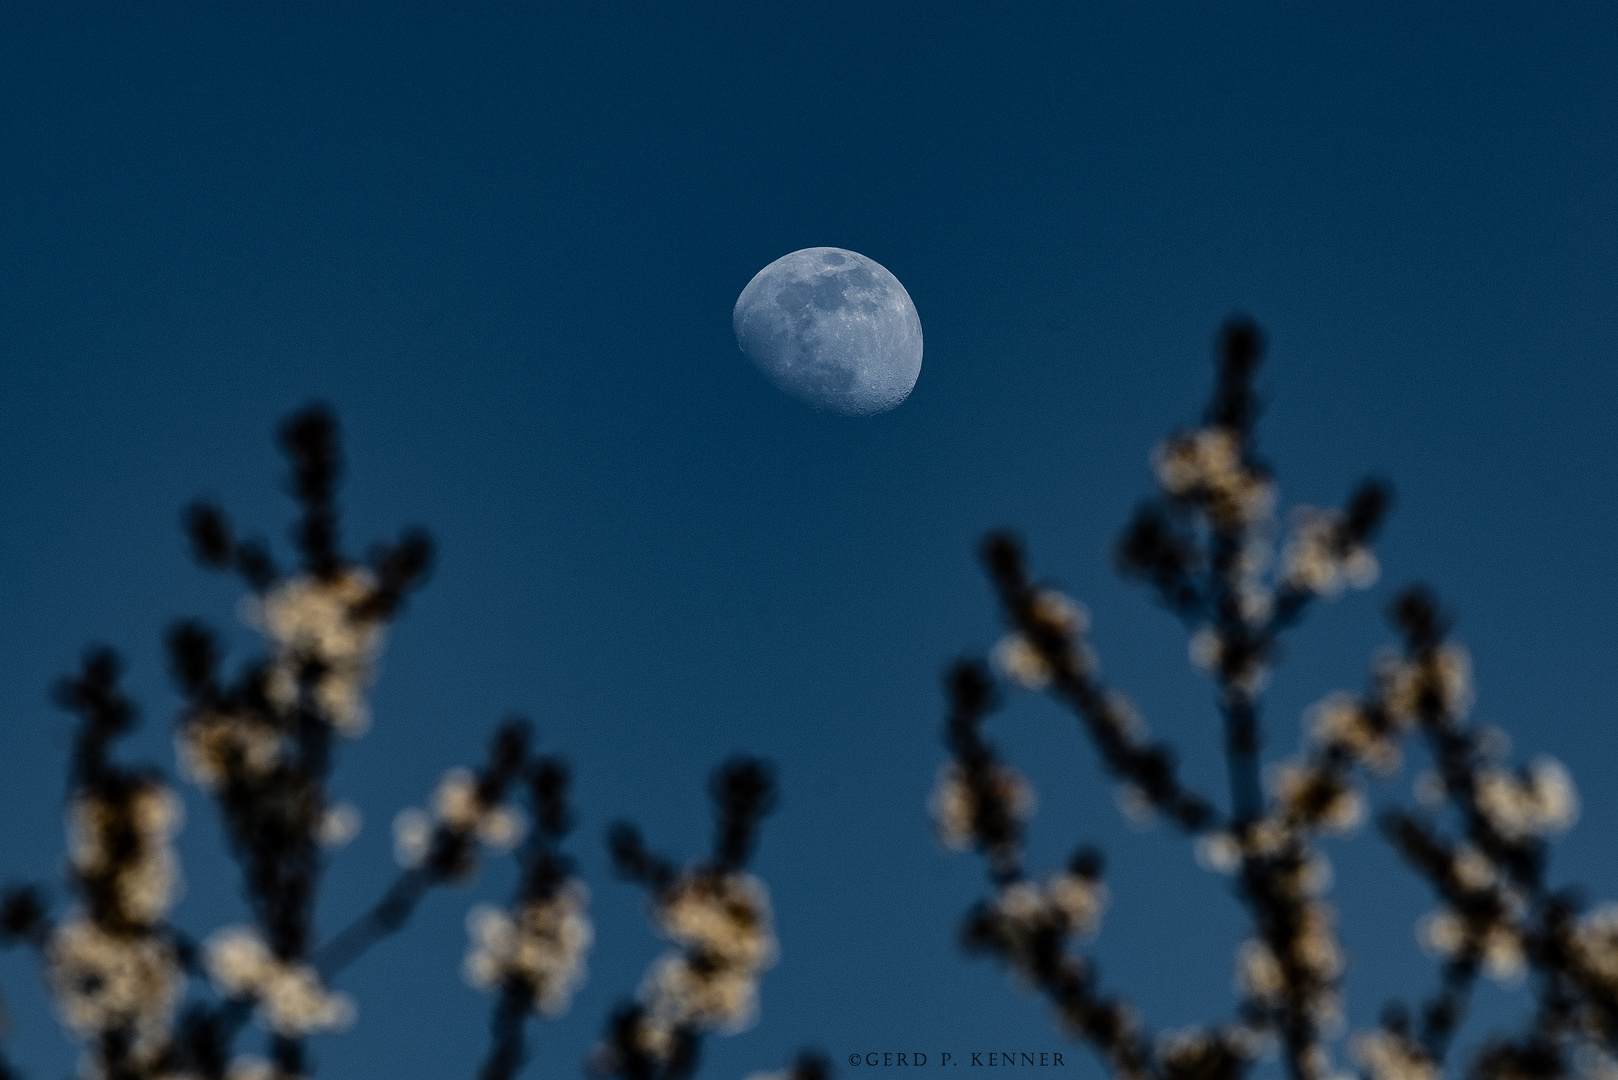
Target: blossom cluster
point(1029, 924)
point(534, 952)
point(541, 945)
point(1432, 684)
point(1386, 1055)
point(1206, 545)
point(958, 805)
point(112, 965)
point(1288, 971)
point(1295, 971)
point(1479, 836)
point(1046, 648)
point(324, 636)
point(721, 923)
point(288, 994)
point(261, 746)
point(1210, 467)
point(239, 748)
point(1325, 556)
point(1540, 801)
point(1222, 1053)
point(126, 983)
point(120, 851)
point(465, 811)
point(1024, 914)
point(1026, 656)
point(261, 743)
point(1482, 876)
point(719, 919)
point(1496, 917)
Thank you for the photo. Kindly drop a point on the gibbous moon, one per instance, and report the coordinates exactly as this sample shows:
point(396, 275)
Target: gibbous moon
point(833, 328)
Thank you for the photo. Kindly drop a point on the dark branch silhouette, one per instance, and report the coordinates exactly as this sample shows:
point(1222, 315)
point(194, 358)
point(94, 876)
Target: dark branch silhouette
point(1203, 544)
point(150, 1003)
point(718, 917)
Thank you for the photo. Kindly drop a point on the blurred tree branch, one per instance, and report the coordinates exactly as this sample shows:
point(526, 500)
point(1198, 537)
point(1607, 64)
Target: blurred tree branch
point(149, 1003)
point(1204, 545)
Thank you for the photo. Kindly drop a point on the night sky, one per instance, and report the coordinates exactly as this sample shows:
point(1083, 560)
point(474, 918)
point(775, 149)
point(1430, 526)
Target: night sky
point(503, 243)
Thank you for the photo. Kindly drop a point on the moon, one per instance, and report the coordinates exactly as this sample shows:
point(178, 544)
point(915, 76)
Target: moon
point(833, 328)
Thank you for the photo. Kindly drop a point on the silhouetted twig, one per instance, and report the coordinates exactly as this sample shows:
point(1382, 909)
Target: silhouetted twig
point(1204, 544)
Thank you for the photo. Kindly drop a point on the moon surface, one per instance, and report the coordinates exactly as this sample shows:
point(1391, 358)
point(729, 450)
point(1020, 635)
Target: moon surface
point(833, 328)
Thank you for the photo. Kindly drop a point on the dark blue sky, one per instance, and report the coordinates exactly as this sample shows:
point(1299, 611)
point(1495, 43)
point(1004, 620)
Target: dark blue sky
point(505, 243)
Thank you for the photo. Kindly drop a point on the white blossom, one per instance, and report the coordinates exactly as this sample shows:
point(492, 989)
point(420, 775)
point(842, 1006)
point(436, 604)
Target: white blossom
point(1447, 677)
point(1218, 851)
point(723, 916)
point(1081, 900)
point(1020, 662)
point(1342, 722)
point(1472, 869)
point(721, 920)
point(145, 879)
point(1207, 648)
point(544, 945)
point(338, 825)
point(1316, 559)
point(1016, 657)
point(1317, 798)
point(315, 622)
point(289, 995)
point(1445, 934)
point(1208, 465)
point(1258, 972)
point(1315, 946)
point(412, 837)
point(678, 994)
point(954, 807)
point(459, 808)
point(1595, 944)
point(211, 745)
point(1540, 802)
point(1072, 901)
point(103, 981)
point(1135, 805)
point(1313, 953)
point(1386, 1056)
